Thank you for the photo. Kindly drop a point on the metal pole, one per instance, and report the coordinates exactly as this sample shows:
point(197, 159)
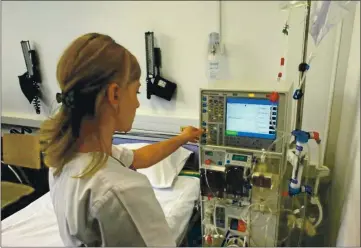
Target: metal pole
point(299, 113)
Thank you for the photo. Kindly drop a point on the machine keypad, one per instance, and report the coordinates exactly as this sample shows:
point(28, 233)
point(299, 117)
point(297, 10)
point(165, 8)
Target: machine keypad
point(213, 107)
point(216, 107)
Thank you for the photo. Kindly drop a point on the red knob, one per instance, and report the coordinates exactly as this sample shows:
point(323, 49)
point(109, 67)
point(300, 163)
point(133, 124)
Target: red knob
point(282, 61)
point(209, 239)
point(242, 227)
point(315, 136)
point(208, 162)
point(274, 97)
point(285, 193)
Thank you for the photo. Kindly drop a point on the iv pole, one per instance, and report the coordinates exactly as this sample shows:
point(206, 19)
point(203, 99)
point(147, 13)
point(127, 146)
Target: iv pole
point(321, 170)
point(300, 102)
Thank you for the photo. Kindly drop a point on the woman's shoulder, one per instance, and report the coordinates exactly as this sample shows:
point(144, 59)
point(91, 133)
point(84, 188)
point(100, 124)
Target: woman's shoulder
point(117, 180)
point(113, 176)
point(116, 173)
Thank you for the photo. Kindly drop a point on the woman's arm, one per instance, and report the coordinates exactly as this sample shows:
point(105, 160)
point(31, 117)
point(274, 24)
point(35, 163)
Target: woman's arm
point(151, 154)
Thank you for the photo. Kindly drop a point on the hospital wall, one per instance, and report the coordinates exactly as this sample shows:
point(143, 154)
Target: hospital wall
point(345, 190)
point(251, 32)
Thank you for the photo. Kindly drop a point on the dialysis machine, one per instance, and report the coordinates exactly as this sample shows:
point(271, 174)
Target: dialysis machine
point(242, 154)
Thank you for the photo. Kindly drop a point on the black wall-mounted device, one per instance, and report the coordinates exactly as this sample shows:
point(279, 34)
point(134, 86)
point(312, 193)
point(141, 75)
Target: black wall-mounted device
point(156, 84)
point(30, 80)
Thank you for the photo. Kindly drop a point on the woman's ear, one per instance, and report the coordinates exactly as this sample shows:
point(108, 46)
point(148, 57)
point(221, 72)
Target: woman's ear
point(113, 92)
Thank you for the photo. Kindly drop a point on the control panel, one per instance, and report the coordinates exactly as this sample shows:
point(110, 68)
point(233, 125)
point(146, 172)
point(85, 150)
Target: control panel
point(231, 172)
point(238, 159)
point(242, 119)
point(237, 182)
point(226, 174)
point(221, 158)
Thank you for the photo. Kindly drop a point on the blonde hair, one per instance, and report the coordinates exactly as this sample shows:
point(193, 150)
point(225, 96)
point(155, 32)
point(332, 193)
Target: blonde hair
point(87, 67)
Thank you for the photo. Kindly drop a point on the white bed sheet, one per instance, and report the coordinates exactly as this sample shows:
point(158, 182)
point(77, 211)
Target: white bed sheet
point(36, 224)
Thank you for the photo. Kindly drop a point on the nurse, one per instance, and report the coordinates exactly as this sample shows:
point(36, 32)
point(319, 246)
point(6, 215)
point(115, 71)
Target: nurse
point(98, 198)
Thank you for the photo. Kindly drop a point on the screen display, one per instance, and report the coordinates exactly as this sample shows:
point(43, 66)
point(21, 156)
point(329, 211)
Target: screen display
point(250, 117)
point(239, 158)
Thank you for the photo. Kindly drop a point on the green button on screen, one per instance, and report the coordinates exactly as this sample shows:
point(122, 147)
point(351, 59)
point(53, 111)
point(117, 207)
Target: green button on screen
point(231, 133)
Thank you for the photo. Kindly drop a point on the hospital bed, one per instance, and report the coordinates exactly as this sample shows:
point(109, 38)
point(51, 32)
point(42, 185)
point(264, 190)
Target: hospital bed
point(36, 225)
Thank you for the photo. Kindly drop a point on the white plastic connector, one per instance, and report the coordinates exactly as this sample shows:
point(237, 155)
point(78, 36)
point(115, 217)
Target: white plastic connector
point(296, 211)
point(261, 207)
point(292, 158)
point(263, 156)
point(323, 171)
point(299, 223)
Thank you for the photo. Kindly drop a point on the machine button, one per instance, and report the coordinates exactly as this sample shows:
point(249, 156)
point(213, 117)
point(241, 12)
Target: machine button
point(274, 97)
point(242, 227)
point(204, 110)
point(204, 98)
point(204, 123)
point(204, 104)
point(228, 161)
point(220, 163)
point(234, 224)
point(208, 162)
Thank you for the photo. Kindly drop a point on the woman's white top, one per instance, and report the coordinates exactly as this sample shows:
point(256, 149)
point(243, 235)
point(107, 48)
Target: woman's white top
point(114, 207)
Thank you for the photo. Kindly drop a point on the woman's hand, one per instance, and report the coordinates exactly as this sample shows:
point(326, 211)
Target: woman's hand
point(151, 154)
point(191, 134)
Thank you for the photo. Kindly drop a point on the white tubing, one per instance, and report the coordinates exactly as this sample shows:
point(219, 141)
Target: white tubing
point(17, 176)
point(299, 176)
point(317, 183)
point(294, 171)
point(300, 169)
point(214, 219)
point(320, 217)
point(310, 58)
point(320, 158)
